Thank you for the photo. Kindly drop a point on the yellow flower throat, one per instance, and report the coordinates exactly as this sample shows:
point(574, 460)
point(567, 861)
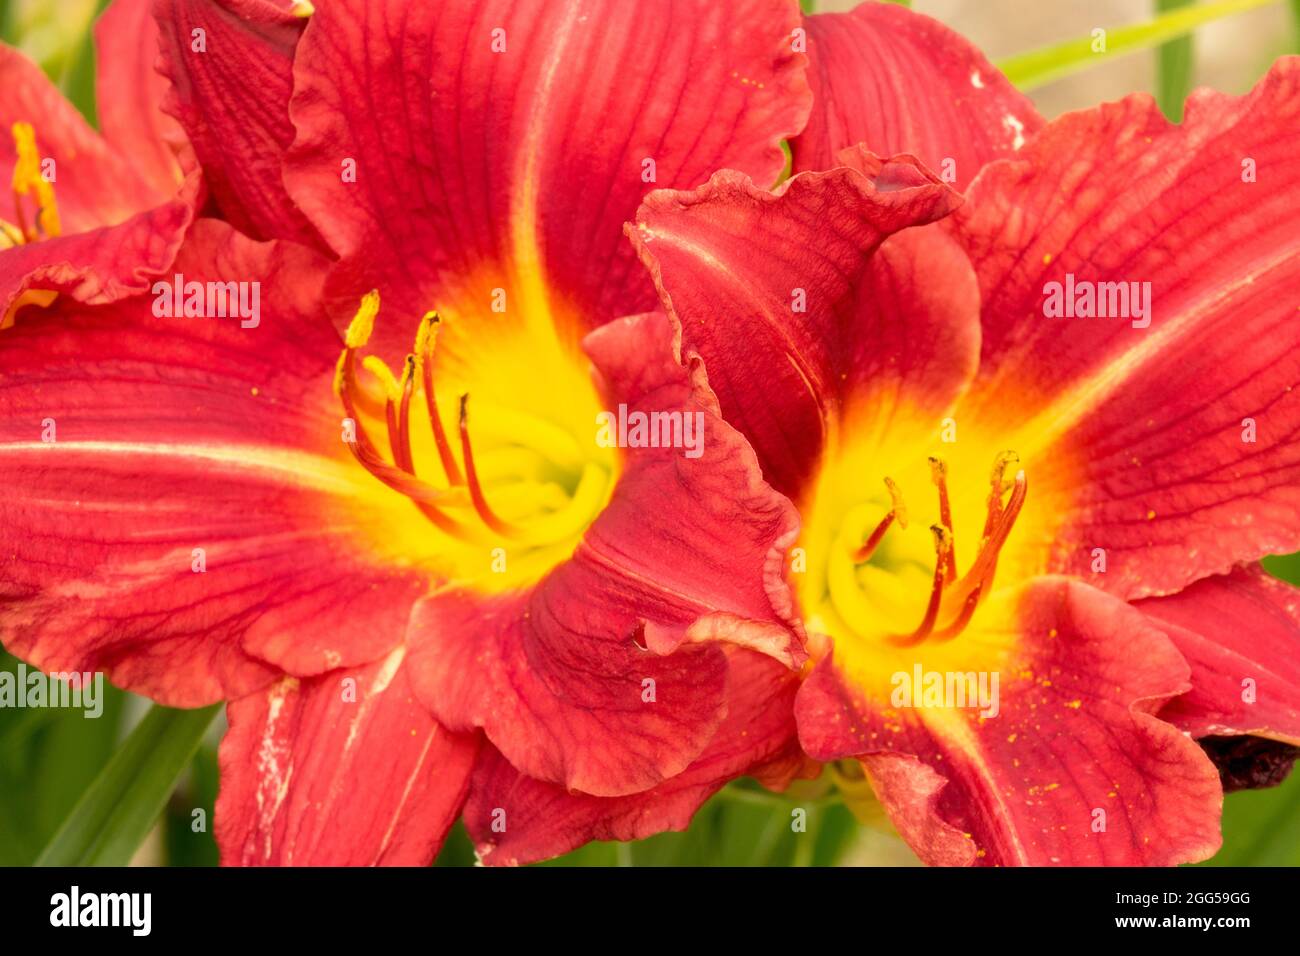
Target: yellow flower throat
point(512, 501)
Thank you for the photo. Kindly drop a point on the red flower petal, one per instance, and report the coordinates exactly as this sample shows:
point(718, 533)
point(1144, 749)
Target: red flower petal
point(516, 819)
point(345, 769)
point(1234, 627)
point(233, 100)
point(129, 94)
point(516, 169)
point(872, 327)
point(97, 266)
point(1074, 734)
point(181, 433)
point(1145, 429)
point(689, 551)
point(118, 232)
point(94, 185)
point(901, 82)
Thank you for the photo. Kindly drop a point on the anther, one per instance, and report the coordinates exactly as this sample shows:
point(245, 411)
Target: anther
point(28, 180)
point(363, 323)
point(997, 488)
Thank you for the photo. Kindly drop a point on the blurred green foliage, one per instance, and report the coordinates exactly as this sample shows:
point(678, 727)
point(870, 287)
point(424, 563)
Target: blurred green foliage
point(51, 759)
point(120, 807)
point(1035, 68)
point(1261, 827)
point(48, 757)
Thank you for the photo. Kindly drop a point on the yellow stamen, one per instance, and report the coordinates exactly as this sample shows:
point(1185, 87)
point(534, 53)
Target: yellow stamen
point(302, 8)
point(425, 333)
point(28, 180)
point(363, 323)
point(425, 336)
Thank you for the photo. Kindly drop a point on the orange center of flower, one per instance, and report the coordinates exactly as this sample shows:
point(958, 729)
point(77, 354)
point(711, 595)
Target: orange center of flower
point(508, 484)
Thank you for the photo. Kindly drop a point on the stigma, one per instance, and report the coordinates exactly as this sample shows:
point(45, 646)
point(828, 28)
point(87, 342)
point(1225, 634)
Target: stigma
point(954, 597)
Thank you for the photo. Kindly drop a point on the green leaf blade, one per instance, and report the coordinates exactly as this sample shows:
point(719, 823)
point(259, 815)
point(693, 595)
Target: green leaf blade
point(1037, 67)
point(120, 807)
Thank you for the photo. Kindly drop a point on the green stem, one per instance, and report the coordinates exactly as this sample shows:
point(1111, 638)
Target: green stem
point(1173, 68)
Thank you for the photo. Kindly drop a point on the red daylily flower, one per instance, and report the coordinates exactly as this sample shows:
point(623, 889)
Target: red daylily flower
point(1074, 505)
point(95, 217)
point(607, 631)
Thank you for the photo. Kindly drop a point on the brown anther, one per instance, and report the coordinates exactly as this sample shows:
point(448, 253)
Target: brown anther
point(896, 503)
